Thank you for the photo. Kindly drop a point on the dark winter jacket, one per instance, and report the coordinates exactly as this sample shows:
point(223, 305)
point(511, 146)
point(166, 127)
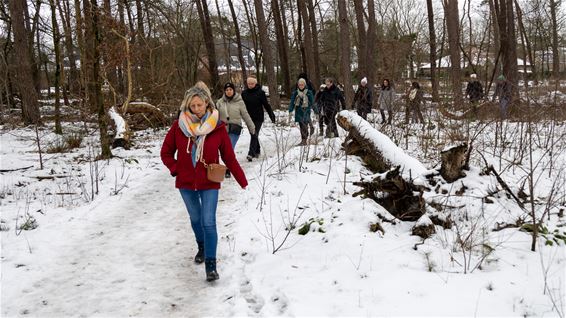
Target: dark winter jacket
point(189, 177)
point(503, 90)
point(474, 91)
point(302, 114)
point(415, 97)
point(256, 102)
point(329, 99)
point(363, 99)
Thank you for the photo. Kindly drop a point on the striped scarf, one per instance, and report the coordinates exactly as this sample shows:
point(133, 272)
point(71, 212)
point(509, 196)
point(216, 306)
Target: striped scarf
point(197, 129)
point(301, 100)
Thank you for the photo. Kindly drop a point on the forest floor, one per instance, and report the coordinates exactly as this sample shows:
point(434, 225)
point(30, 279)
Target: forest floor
point(112, 238)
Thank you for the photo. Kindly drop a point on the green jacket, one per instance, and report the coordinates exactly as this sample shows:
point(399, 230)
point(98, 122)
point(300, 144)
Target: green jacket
point(302, 114)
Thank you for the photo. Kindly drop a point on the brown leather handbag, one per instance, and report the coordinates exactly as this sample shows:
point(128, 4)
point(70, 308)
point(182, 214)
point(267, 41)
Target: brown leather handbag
point(215, 172)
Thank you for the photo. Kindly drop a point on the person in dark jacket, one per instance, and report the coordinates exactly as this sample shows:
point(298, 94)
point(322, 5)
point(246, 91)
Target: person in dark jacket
point(474, 92)
point(317, 109)
point(363, 100)
point(503, 92)
point(328, 101)
point(256, 101)
point(386, 100)
point(197, 137)
point(301, 103)
point(414, 101)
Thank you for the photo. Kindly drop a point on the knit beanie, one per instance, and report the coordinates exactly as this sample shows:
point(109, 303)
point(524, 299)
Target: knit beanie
point(229, 85)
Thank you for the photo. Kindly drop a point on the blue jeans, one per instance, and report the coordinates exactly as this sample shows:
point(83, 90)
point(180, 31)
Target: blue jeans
point(201, 205)
point(234, 139)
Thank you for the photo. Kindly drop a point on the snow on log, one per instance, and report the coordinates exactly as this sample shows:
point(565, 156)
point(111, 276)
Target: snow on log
point(381, 147)
point(122, 137)
point(400, 185)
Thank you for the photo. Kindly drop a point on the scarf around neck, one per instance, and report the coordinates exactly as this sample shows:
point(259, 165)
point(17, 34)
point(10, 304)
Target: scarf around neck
point(197, 129)
point(302, 100)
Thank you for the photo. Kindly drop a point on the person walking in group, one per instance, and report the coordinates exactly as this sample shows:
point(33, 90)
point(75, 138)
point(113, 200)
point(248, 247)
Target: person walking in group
point(301, 103)
point(232, 110)
point(414, 100)
point(329, 99)
point(310, 87)
point(318, 109)
point(386, 100)
point(256, 101)
point(197, 137)
point(474, 92)
point(503, 92)
point(363, 100)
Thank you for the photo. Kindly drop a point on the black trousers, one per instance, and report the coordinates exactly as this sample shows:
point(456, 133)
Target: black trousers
point(330, 121)
point(255, 148)
point(304, 127)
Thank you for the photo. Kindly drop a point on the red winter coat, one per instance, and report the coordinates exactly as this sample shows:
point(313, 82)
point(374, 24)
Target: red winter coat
point(187, 177)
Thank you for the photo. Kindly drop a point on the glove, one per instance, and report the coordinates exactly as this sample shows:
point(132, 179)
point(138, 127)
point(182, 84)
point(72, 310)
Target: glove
point(252, 131)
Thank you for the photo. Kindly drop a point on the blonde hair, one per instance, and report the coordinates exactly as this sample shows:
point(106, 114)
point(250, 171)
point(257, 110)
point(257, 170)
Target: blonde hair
point(252, 79)
point(196, 91)
point(203, 85)
point(302, 80)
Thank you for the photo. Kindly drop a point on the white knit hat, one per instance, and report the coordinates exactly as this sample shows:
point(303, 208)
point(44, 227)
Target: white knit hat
point(473, 75)
point(364, 81)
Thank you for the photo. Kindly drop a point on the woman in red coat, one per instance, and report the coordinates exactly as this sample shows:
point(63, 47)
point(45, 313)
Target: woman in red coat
point(198, 136)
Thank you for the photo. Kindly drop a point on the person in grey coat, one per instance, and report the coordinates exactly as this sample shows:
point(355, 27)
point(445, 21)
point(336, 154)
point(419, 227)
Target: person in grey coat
point(232, 110)
point(386, 100)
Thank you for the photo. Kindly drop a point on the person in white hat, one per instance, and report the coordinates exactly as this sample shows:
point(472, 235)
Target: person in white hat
point(363, 100)
point(474, 92)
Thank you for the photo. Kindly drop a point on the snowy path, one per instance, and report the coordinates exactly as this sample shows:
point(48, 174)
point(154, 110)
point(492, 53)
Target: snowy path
point(130, 256)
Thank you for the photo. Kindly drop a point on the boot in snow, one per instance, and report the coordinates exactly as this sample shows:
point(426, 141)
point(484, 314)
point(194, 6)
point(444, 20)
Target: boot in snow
point(211, 273)
point(199, 258)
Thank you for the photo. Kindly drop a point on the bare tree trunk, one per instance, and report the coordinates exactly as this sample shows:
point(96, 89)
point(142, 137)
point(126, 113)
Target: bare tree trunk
point(555, 56)
point(225, 42)
point(345, 52)
point(139, 19)
point(361, 28)
point(205, 23)
point(57, 49)
point(282, 47)
point(79, 25)
point(238, 40)
point(528, 49)
point(267, 56)
point(315, 78)
point(307, 39)
point(433, 57)
point(72, 77)
point(92, 59)
point(119, 71)
point(453, 28)
point(23, 73)
point(372, 39)
point(505, 19)
point(300, 42)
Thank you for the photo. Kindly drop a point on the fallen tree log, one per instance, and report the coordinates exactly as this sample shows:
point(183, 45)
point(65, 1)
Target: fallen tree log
point(400, 197)
point(144, 115)
point(395, 188)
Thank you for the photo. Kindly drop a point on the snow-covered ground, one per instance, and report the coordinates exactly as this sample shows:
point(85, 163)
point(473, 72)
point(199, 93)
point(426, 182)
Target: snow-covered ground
point(128, 250)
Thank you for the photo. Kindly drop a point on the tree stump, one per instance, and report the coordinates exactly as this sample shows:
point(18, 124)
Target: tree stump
point(454, 160)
